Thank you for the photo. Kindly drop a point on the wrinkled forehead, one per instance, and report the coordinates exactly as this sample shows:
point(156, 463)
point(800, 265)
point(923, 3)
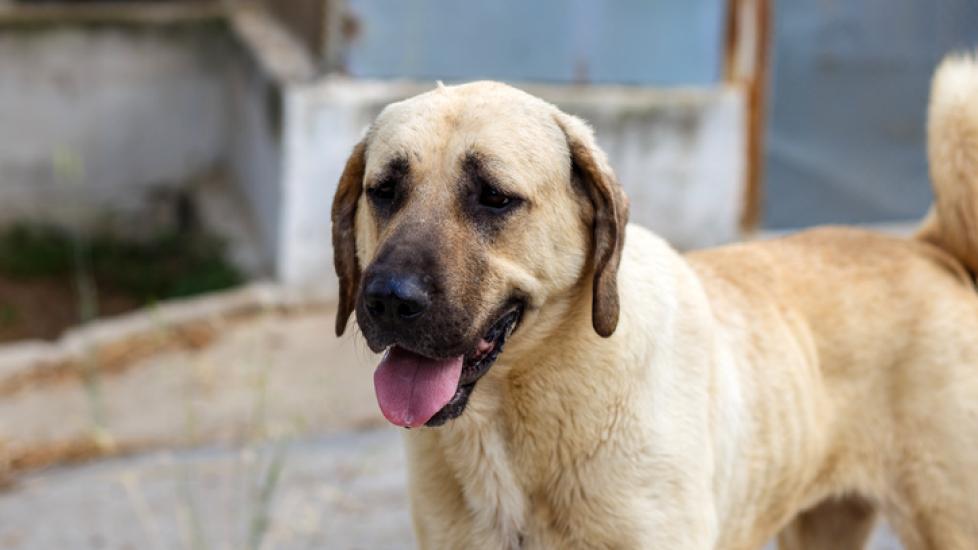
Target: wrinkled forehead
point(435, 131)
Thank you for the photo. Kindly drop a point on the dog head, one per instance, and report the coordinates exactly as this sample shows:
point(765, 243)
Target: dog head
point(463, 213)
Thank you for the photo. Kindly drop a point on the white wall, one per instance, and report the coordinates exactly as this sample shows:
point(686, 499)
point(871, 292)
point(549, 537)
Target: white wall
point(678, 153)
point(255, 154)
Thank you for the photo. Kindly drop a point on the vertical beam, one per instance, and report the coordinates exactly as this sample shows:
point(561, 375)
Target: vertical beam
point(746, 64)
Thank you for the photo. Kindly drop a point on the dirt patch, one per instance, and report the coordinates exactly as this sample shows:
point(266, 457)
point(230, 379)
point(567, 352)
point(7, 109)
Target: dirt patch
point(52, 279)
point(44, 308)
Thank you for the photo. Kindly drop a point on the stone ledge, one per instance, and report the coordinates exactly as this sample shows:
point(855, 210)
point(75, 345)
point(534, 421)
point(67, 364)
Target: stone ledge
point(277, 51)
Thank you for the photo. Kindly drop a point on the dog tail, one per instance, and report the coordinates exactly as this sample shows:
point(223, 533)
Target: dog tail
point(952, 150)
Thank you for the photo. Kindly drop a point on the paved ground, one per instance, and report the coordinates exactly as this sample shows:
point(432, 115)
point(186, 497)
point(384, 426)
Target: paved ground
point(344, 492)
point(270, 438)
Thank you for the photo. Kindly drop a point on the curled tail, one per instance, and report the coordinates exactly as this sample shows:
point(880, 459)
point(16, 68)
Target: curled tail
point(952, 150)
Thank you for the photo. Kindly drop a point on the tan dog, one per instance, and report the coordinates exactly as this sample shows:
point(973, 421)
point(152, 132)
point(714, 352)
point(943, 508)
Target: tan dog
point(646, 399)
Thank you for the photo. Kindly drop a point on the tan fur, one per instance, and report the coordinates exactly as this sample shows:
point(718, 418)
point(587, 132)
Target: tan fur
point(833, 373)
point(952, 139)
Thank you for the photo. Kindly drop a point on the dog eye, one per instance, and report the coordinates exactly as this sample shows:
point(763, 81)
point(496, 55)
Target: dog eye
point(383, 192)
point(492, 198)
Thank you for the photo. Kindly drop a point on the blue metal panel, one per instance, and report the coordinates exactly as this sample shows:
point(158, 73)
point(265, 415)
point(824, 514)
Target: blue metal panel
point(662, 42)
point(850, 83)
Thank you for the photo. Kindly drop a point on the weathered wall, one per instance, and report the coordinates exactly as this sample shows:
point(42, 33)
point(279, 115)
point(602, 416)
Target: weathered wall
point(102, 122)
point(677, 153)
point(255, 153)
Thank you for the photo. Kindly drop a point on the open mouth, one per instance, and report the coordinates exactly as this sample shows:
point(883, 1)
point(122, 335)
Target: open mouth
point(414, 390)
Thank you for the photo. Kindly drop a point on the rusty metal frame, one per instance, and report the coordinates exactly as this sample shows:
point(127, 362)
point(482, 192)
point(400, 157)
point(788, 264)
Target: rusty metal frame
point(746, 64)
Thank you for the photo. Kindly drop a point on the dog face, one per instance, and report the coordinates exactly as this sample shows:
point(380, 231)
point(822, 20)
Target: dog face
point(464, 212)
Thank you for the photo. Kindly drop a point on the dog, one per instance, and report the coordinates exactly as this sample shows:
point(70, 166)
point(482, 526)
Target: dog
point(647, 399)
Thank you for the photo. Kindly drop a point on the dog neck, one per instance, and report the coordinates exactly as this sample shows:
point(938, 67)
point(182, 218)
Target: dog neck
point(505, 445)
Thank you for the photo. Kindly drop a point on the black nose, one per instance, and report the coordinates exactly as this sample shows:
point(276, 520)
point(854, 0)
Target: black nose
point(395, 298)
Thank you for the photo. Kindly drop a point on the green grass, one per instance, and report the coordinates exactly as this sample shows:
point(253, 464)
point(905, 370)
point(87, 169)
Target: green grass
point(169, 265)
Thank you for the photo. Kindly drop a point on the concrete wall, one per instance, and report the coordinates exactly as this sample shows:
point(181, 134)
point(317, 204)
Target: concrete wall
point(107, 123)
point(323, 122)
point(255, 155)
point(677, 153)
point(102, 122)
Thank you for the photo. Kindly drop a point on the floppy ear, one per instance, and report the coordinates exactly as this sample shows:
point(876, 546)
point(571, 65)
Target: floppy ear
point(344, 235)
point(590, 167)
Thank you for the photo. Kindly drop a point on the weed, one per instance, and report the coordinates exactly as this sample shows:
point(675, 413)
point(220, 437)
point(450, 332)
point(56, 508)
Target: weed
point(263, 491)
point(8, 315)
point(169, 265)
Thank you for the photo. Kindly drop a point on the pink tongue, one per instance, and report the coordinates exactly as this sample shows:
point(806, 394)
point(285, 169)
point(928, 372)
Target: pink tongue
point(411, 388)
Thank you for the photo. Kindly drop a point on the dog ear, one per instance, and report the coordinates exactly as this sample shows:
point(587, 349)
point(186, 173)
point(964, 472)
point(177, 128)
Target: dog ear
point(344, 236)
point(590, 167)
